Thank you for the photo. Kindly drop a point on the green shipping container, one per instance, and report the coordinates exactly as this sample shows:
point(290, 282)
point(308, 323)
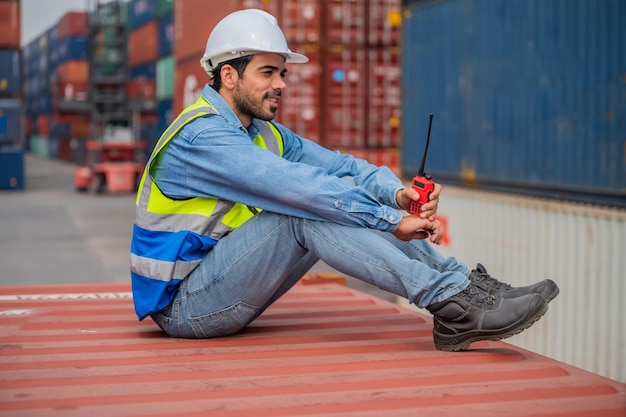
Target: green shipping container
point(39, 145)
point(164, 7)
point(165, 77)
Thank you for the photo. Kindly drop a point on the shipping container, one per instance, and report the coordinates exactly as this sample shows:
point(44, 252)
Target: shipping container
point(39, 145)
point(11, 120)
point(72, 24)
point(142, 12)
point(300, 108)
point(140, 88)
point(166, 35)
point(10, 74)
point(383, 101)
point(10, 36)
point(346, 94)
point(527, 96)
point(384, 22)
point(193, 23)
point(190, 79)
point(345, 21)
point(522, 240)
point(143, 44)
point(68, 49)
point(11, 168)
point(73, 70)
point(164, 7)
point(301, 21)
point(165, 78)
point(273, 7)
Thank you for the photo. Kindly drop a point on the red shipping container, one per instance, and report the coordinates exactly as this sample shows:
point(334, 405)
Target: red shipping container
point(194, 21)
point(384, 101)
point(300, 105)
point(346, 97)
point(345, 20)
point(300, 21)
point(385, 18)
point(71, 90)
point(43, 124)
point(64, 149)
point(10, 35)
point(270, 6)
point(143, 44)
point(72, 24)
point(141, 88)
point(81, 129)
point(189, 80)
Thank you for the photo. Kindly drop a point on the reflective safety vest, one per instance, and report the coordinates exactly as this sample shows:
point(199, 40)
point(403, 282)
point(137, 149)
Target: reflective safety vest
point(171, 237)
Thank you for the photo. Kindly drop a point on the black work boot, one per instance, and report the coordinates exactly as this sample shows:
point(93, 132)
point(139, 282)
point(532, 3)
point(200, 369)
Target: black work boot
point(475, 314)
point(546, 288)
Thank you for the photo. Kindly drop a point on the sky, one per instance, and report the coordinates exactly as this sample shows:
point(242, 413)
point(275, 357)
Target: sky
point(40, 15)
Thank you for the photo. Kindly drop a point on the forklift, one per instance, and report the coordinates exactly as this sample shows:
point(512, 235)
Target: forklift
point(115, 157)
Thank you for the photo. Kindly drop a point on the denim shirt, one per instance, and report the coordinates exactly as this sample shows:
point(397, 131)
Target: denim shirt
point(215, 156)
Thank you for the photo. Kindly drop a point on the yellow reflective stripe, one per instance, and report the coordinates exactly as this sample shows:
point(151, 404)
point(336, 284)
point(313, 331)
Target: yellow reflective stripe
point(160, 204)
point(237, 216)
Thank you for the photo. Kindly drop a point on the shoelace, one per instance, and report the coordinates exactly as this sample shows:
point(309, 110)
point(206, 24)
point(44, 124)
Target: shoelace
point(477, 296)
point(484, 277)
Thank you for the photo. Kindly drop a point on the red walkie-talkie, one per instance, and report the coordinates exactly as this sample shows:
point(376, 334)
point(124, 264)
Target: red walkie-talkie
point(422, 183)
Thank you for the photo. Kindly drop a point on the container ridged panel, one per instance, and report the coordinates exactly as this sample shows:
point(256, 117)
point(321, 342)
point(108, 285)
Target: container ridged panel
point(526, 94)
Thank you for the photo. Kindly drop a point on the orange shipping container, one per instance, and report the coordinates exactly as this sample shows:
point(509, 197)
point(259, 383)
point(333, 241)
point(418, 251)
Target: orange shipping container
point(193, 22)
point(72, 24)
point(73, 71)
point(10, 35)
point(143, 44)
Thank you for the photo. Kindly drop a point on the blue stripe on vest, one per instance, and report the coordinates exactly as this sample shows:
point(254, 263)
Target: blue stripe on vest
point(166, 246)
point(150, 295)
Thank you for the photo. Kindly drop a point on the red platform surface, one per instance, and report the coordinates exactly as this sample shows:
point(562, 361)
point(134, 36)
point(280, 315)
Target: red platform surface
point(322, 350)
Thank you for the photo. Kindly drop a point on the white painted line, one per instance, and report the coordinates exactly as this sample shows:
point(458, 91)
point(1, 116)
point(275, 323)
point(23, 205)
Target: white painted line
point(75, 296)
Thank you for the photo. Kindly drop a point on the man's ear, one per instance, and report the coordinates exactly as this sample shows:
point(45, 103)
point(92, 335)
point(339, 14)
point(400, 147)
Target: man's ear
point(229, 76)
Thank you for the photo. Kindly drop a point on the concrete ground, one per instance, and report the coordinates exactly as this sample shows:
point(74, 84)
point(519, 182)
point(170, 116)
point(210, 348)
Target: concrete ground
point(51, 234)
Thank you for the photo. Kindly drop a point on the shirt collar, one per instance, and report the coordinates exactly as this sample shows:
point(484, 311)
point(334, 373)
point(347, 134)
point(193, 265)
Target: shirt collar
point(224, 109)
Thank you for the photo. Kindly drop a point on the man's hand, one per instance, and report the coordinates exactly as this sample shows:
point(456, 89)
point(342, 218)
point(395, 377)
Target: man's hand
point(413, 227)
point(429, 210)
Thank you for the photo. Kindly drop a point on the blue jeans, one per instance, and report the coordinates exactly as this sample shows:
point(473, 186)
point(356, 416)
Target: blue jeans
point(258, 262)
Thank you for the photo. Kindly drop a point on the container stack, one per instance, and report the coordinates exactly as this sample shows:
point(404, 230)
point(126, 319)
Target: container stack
point(56, 70)
point(11, 131)
point(150, 48)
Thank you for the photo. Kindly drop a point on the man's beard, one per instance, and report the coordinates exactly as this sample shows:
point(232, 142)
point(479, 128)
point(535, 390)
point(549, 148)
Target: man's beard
point(245, 104)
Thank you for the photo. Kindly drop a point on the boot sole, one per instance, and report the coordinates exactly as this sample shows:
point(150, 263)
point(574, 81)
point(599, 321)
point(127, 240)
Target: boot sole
point(447, 343)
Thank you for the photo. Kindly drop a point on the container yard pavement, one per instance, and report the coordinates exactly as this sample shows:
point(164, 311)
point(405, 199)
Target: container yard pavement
point(51, 234)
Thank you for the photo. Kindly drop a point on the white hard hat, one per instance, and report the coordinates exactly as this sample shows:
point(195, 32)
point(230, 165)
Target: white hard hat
point(246, 32)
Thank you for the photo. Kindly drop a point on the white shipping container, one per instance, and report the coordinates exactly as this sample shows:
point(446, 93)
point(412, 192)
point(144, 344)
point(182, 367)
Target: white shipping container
point(582, 248)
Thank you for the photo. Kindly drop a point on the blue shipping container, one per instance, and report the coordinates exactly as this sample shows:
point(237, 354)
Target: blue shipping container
point(10, 120)
point(10, 80)
point(141, 12)
point(527, 95)
point(11, 168)
point(166, 35)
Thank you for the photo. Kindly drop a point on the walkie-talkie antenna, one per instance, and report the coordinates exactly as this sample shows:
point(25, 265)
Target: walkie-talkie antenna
point(430, 123)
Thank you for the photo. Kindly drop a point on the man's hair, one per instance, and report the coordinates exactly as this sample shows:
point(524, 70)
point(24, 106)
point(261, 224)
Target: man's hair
point(239, 64)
